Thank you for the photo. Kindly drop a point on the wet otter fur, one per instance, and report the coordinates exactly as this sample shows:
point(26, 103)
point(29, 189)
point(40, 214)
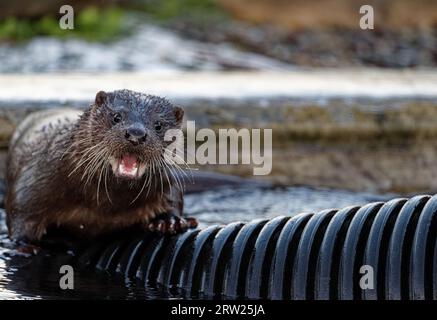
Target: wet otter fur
point(96, 171)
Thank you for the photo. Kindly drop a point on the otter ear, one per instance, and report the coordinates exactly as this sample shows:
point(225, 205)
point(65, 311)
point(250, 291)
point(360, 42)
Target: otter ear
point(179, 114)
point(101, 97)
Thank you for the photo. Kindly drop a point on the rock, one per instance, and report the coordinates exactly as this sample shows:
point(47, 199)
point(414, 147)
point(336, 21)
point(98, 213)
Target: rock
point(318, 47)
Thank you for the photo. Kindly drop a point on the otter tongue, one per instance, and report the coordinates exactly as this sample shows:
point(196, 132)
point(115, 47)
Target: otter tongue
point(128, 165)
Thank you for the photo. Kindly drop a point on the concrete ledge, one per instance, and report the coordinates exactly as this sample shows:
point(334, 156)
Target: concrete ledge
point(302, 84)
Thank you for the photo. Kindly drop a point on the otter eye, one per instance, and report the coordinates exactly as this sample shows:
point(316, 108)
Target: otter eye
point(117, 118)
point(158, 126)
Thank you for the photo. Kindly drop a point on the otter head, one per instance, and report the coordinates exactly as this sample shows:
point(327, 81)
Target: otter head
point(130, 128)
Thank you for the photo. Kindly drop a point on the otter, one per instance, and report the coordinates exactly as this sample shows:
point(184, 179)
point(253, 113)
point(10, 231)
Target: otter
point(96, 171)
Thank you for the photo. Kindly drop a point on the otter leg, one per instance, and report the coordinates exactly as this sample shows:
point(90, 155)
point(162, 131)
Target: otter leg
point(28, 230)
point(169, 223)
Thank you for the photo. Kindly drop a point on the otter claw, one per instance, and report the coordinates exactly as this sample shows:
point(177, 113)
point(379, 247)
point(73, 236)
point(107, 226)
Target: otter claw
point(27, 250)
point(172, 225)
point(160, 227)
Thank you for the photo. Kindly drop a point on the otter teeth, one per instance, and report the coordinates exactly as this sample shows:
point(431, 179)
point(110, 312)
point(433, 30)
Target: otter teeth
point(127, 171)
point(128, 166)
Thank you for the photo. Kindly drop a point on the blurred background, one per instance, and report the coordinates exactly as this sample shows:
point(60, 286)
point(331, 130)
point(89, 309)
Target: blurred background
point(153, 35)
point(353, 112)
point(350, 109)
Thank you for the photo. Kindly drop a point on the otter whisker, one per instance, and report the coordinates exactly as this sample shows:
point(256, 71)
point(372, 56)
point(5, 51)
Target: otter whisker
point(106, 184)
point(179, 178)
point(182, 171)
point(175, 177)
point(89, 167)
point(167, 165)
point(149, 181)
point(156, 168)
point(85, 158)
point(90, 170)
point(102, 167)
point(98, 184)
point(139, 193)
point(184, 162)
point(67, 151)
point(165, 151)
point(87, 150)
point(184, 174)
point(178, 183)
point(176, 165)
point(165, 172)
point(160, 179)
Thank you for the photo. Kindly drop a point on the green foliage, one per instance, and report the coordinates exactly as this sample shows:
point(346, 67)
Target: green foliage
point(91, 24)
point(104, 24)
point(171, 9)
point(12, 28)
point(96, 24)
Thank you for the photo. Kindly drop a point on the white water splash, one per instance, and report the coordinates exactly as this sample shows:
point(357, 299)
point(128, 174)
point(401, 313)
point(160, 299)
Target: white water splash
point(150, 48)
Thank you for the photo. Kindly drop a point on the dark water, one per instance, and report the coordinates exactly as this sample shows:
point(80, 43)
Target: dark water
point(38, 277)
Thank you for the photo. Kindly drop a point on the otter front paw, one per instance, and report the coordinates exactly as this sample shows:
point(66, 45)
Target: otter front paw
point(171, 224)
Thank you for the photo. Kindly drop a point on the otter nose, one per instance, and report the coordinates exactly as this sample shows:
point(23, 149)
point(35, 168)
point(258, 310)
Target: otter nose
point(135, 135)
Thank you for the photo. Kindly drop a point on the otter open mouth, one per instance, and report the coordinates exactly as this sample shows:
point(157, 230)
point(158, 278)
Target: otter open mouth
point(128, 167)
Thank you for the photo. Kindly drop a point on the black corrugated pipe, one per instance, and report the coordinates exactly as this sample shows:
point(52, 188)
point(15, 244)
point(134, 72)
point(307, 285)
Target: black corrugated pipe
point(306, 256)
